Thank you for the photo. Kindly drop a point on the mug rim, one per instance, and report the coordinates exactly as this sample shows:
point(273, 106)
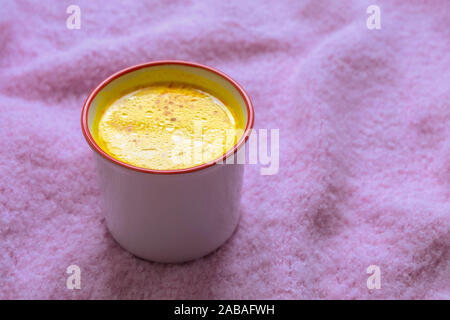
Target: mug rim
point(90, 140)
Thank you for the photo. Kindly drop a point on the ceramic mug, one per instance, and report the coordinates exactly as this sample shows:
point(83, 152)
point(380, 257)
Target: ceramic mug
point(169, 215)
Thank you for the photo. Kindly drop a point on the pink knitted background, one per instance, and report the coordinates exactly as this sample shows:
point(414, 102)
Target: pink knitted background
point(364, 119)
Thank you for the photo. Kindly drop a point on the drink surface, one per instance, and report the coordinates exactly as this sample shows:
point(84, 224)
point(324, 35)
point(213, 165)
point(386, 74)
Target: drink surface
point(167, 126)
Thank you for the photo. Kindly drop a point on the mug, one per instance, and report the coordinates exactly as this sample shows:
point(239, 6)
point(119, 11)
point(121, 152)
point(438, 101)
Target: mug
point(169, 215)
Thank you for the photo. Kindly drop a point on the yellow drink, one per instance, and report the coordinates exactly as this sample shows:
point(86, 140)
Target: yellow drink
point(167, 126)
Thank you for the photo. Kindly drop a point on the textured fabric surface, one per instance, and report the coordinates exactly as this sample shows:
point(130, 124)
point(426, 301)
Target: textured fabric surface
point(364, 119)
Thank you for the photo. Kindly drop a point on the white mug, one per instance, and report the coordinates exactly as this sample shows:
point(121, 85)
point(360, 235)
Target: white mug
point(168, 215)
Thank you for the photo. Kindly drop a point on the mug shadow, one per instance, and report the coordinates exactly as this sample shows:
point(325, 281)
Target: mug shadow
point(125, 276)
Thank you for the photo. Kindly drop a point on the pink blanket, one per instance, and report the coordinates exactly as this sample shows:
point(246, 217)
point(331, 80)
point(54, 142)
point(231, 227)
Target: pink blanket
point(364, 119)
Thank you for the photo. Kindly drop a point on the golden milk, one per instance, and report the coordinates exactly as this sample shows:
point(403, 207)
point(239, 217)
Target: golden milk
point(167, 126)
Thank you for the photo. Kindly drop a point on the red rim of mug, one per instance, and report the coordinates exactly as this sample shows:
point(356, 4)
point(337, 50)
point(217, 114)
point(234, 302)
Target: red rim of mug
point(99, 87)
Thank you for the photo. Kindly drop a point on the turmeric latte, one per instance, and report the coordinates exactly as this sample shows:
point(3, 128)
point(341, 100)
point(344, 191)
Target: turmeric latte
point(167, 126)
